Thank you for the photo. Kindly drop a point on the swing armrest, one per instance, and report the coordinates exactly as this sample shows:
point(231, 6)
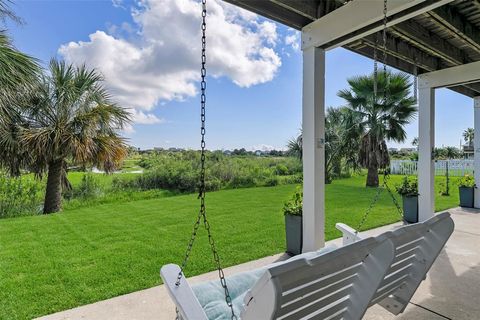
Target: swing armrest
point(183, 296)
point(349, 234)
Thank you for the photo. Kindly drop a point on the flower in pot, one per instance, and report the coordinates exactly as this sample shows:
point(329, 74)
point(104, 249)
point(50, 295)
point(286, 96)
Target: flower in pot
point(293, 222)
point(466, 188)
point(408, 189)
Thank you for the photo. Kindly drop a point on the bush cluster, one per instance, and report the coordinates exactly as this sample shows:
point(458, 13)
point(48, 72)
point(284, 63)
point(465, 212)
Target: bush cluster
point(19, 196)
point(294, 206)
point(179, 171)
point(88, 188)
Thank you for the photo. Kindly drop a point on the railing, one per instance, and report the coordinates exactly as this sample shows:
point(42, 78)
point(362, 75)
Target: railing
point(455, 167)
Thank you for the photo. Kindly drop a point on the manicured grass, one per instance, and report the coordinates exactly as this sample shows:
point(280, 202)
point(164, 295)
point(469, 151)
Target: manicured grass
point(51, 263)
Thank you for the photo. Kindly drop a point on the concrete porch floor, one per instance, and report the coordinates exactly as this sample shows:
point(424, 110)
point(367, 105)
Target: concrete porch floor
point(451, 290)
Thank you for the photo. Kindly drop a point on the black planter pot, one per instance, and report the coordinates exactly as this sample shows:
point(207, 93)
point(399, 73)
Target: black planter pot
point(294, 234)
point(410, 209)
point(466, 197)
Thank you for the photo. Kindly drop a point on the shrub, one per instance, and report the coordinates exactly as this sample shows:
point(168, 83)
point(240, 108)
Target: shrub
point(281, 170)
point(179, 172)
point(241, 181)
point(467, 181)
point(272, 181)
point(294, 206)
point(19, 196)
point(88, 188)
point(408, 187)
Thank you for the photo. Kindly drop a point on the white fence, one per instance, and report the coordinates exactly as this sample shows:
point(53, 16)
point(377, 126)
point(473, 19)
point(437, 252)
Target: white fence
point(455, 167)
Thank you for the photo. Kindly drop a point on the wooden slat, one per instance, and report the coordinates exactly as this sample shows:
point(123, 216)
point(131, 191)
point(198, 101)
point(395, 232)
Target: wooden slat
point(384, 294)
point(394, 277)
point(407, 253)
point(402, 264)
point(311, 271)
point(311, 311)
point(314, 296)
point(394, 283)
point(405, 246)
point(345, 276)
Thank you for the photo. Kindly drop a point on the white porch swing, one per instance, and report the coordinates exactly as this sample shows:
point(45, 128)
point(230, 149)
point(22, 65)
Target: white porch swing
point(332, 283)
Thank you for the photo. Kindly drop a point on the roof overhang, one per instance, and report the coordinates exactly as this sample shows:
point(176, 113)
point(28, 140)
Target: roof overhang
point(432, 39)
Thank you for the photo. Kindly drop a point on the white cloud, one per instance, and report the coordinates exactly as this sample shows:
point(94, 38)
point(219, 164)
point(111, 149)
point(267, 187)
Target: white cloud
point(265, 147)
point(141, 117)
point(293, 40)
point(161, 62)
point(118, 4)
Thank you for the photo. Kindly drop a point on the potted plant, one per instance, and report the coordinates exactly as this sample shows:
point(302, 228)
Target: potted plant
point(466, 188)
point(408, 189)
point(293, 222)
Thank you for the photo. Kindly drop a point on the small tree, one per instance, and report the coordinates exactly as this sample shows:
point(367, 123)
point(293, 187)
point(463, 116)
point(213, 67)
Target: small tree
point(70, 117)
point(468, 136)
point(376, 119)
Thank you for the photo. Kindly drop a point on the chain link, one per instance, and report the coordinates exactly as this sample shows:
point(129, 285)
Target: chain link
point(386, 175)
point(415, 84)
point(385, 186)
point(375, 70)
point(202, 215)
point(384, 36)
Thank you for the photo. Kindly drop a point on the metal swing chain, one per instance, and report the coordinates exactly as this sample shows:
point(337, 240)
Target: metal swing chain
point(386, 175)
point(384, 36)
point(202, 215)
point(375, 70)
point(415, 84)
point(386, 178)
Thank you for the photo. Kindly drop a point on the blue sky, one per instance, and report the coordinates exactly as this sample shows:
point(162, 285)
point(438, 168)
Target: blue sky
point(152, 72)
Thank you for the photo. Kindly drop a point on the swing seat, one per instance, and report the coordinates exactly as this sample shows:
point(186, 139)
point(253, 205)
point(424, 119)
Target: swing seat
point(416, 248)
point(212, 296)
point(329, 283)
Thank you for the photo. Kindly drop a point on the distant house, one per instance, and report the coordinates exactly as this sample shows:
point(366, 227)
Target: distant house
point(468, 151)
point(408, 150)
point(392, 149)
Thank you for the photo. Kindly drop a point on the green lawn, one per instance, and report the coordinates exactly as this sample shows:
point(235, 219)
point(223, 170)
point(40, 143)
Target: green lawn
point(51, 263)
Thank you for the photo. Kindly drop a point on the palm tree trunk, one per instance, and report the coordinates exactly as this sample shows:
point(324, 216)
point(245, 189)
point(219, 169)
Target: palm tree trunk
point(53, 194)
point(372, 177)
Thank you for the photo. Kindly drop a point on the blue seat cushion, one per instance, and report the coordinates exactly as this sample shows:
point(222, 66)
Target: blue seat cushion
point(212, 296)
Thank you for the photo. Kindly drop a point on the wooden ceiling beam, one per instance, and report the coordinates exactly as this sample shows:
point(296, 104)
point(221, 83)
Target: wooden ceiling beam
point(457, 25)
point(273, 11)
point(401, 49)
point(306, 8)
point(429, 42)
point(402, 64)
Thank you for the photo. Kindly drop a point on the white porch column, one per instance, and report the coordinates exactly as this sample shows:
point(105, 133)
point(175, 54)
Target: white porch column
point(426, 144)
point(476, 148)
point(313, 123)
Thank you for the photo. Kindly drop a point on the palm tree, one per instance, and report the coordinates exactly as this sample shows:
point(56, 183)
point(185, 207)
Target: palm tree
point(16, 68)
point(338, 146)
point(18, 73)
point(295, 147)
point(415, 142)
point(452, 153)
point(70, 117)
point(379, 118)
point(468, 136)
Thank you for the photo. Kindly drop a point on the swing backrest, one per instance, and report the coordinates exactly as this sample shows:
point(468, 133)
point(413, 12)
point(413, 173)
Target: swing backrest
point(338, 284)
point(416, 248)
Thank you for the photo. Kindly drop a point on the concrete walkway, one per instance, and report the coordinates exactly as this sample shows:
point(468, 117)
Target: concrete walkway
point(451, 290)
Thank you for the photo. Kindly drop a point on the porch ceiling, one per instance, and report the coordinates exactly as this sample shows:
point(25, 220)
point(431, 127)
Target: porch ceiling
point(444, 37)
